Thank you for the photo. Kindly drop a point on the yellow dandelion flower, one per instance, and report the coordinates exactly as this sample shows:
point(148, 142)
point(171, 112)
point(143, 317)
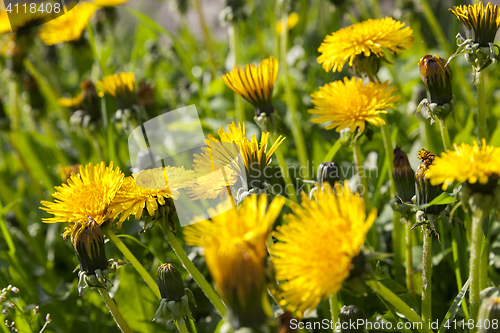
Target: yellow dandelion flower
point(472, 164)
point(315, 249)
point(235, 252)
point(366, 38)
point(121, 87)
point(351, 103)
point(241, 158)
point(255, 83)
point(109, 3)
point(148, 190)
point(292, 21)
point(74, 103)
point(480, 24)
point(87, 194)
point(68, 27)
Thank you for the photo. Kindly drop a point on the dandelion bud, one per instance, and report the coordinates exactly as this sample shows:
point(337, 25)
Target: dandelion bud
point(35, 98)
point(367, 66)
point(488, 312)
point(146, 98)
point(170, 282)
point(91, 103)
point(175, 299)
point(424, 190)
point(285, 323)
point(437, 78)
point(351, 314)
point(404, 177)
point(328, 172)
point(88, 243)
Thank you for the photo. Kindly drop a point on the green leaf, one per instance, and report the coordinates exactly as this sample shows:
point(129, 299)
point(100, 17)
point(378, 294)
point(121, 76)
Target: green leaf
point(452, 311)
point(136, 302)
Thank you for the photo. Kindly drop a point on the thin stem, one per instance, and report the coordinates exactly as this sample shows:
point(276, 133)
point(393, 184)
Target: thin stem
point(426, 276)
point(483, 272)
point(133, 260)
point(482, 131)
point(233, 45)
point(399, 304)
point(181, 327)
point(298, 136)
point(458, 273)
point(445, 136)
point(363, 189)
point(117, 316)
point(193, 271)
point(475, 261)
point(334, 309)
point(286, 175)
point(206, 35)
point(409, 257)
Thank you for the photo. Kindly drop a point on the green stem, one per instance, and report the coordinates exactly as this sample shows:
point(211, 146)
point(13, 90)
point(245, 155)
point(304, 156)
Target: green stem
point(117, 316)
point(233, 45)
point(193, 271)
point(426, 276)
point(133, 260)
point(482, 132)
point(206, 36)
point(483, 272)
point(181, 327)
point(475, 261)
point(334, 309)
point(409, 257)
point(359, 162)
point(399, 304)
point(458, 274)
point(291, 105)
point(445, 136)
point(286, 175)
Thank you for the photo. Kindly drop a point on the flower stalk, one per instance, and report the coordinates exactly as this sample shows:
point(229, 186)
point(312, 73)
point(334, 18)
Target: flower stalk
point(478, 216)
point(120, 321)
point(399, 304)
point(193, 271)
point(482, 132)
point(426, 274)
point(133, 260)
point(233, 44)
point(334, 308)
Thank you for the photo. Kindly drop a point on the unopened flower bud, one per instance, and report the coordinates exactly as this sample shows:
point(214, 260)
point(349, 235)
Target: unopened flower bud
point(437, 78)
point(367, 66)
point(424, 190)
point(404, 177)
point(170, 282)
point(350, 315)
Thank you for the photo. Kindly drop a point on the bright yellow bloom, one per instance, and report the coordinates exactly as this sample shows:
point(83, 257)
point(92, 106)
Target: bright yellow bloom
point(109, 3)
point(72, 103)
point(235, 251)
point(366, 38)
point(466, 163)
point(117, 85)
point(87, 194)
point(254, 83)
point(234, 155)
point(315, 249)
point(149, 189)
point(68, 27)
point(480, 24)
point(292, 21)
point(352, 104)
